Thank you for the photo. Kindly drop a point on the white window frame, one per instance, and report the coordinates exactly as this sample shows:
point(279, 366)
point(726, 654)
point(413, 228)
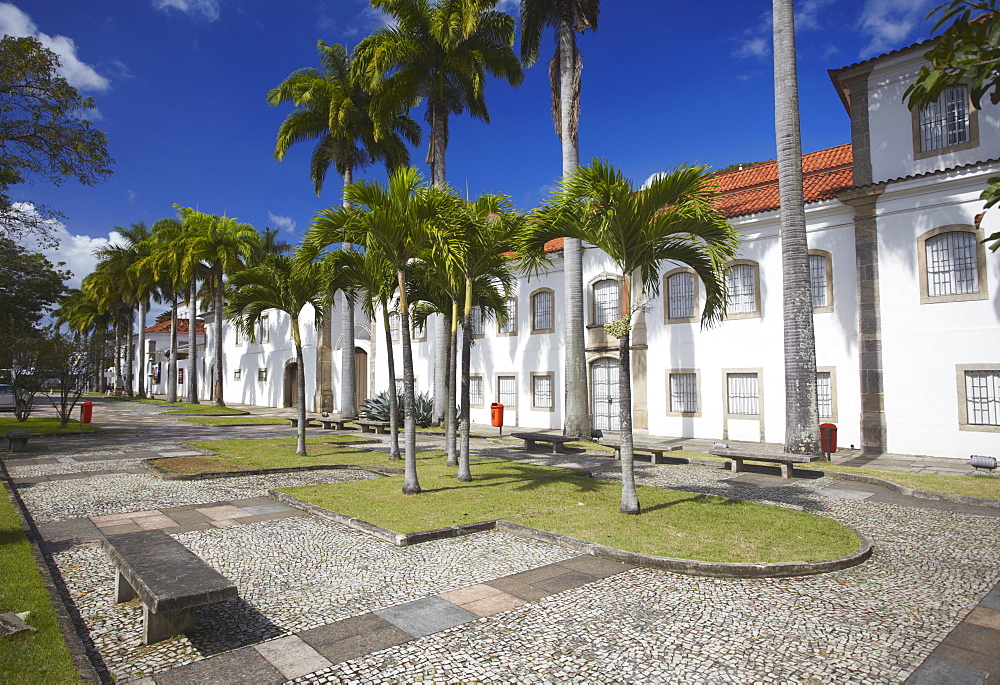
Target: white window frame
point(394, 326)
point(537, 297)
point(537, 398)
point(743, 290)
point(977, 414)
point(237, 374)
point(501, 379)
point(954, 109)
point(605, 309)
point(979, 269)
point(821, 281)
point(670, 283)
point(746, 383)
point(265, 329)
point(831, 372)
point(682, 376)
point(477, 399)
point(510, 303)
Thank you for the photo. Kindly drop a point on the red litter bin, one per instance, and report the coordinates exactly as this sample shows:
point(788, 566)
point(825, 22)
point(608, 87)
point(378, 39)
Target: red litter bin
point(828, 437)
point(86, 412)
point(496, 415)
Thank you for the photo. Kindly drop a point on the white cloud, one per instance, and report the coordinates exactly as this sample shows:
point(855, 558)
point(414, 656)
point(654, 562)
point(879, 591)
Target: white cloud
point(130, 195)
point(892, 24)
point(76, 251)
point(754, 47)
point(365, 20)
point(511, 7)
point(207, 9)
point(758, 39)
point(285, 223)
point(79, 74)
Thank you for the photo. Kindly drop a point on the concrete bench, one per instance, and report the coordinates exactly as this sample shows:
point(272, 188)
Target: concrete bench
point(17, 439)
point(169, 579)
point(532, 439)
point(783, 459)
point(655, 452)
point(372, 426)
point(294, 420)
point(331, 424)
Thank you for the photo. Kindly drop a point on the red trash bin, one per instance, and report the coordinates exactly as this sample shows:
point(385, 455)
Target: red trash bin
point(496, 414)
point(828, 437)
point(86, 412)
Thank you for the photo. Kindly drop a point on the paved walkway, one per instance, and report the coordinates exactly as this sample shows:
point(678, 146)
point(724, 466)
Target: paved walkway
point(321, 603)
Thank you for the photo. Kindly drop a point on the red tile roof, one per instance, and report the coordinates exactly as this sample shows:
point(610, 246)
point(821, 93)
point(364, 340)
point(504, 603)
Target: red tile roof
point(755, 189)
point(182, 327)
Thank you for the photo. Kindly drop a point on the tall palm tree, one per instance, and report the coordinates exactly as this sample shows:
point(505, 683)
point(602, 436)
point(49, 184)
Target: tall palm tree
point(80, 313)
point(163, 264)
point(113, 297)
point(398, 221)
point(671, 219)
point(567, 18)
point(801, 410)
point(286, 285)
point(334, 107)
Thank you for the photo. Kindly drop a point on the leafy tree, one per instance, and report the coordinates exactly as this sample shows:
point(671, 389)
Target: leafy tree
point(42, 134)
point(80, 313)
point(567, 18)
point(29, 285)
point(70, 363)
point(967, 50)
point(670, 220)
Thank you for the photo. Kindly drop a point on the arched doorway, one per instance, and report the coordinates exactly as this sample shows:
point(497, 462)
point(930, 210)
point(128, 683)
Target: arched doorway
point(604, 394)
point(291, 384)
point(360, 376)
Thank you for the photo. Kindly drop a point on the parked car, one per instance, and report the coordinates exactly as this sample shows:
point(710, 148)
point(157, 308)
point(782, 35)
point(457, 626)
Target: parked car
point(6, 397)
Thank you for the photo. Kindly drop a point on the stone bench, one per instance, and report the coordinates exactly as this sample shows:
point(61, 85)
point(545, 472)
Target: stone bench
point(330, 424)
point(372, 426)
point(783, 459)
point(655, 452)
point(532, 439)
point(170, 579)
point(294, 420)
point(17, 439)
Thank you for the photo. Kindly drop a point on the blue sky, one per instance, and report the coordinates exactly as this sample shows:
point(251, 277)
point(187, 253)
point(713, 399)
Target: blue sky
point(180, 88)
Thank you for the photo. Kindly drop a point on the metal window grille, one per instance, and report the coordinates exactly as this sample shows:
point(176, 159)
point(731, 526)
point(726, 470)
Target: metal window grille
point(824, 394)
point(394, 325)
point(541, 309)
point(476, 390)
point(541, 391)
point(742, 289)
point(982, 397)
point(477, 321)
point(237, 374)
point(606, 302)
point(683, 393)
point(952, 267)
point(507, 390)
point(239, 335)
point(743, 396)
point(680, 296)
point(817, 280)
point(511, 306)
point(265, 329)
point(262, 374)
point(945, 122)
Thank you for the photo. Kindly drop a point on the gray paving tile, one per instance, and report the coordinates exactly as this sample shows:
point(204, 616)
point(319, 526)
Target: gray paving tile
point(935, 671)
point(293, 657)
point(272, 508)
point(992, 599)
point(239, 667)
point(979, 662)
point(974, 638)
point(75, 529)
point(564, 581)
point(426, 616)
point(594, 566)
point(842, 493)
point(519, 589)
point(354, 637)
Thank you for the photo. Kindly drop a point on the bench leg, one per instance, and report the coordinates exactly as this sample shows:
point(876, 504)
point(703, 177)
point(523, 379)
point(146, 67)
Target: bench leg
point(124, 592)
point(737, 464)
point(655, 457)
point(786, 470)
point(166, 624)
point(557, 448)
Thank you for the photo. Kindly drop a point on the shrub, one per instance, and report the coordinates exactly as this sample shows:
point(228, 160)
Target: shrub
point(377, 408)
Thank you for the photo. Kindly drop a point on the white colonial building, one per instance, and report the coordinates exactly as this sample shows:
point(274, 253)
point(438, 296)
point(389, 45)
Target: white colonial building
point(905, 298)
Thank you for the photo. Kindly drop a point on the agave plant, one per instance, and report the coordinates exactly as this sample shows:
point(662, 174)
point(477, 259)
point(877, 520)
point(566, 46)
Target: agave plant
point(377, 408)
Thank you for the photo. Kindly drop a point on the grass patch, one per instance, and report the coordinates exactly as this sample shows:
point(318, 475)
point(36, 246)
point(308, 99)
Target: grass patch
point(987, 487)
point(37, 656)
point(674, 523)
point(264, 453)
point(207, 410)
point(46, 425)
point(237, 420)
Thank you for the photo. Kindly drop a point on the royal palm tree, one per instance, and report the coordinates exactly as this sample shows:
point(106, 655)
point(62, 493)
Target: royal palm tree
point(334, 108)
point(567, 18)
point(398, 221)
point(80, 313)
point(113, 296)
point(670, 219)
point(286, 285)
point(801, 410)
point(163, 265)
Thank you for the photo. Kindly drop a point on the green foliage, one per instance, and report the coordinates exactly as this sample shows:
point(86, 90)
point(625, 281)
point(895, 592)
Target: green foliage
point(29, 285)
point(42, 134)
point(377, 408)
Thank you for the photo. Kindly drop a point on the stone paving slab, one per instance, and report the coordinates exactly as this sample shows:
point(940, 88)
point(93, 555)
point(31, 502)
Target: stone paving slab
point(426, 616)
point(937, 672)
point(292, 656)
point(239, 667)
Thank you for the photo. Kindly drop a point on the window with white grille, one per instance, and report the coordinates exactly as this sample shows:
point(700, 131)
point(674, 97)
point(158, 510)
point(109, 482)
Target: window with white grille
point(399, 388)
point(476, 315)
point(394, 325)
point(684, 393)
point(262, 374)
point(607, 304)
point(476, 391)
point(982, 397)
point(238, 332)
point(680, 296)
point(945, 123)
point(541, 311)
point(824, 394)
point(741, 286)
point(509, 328)
point(818, 281)
point(237, 374)
point(541, 391)
point(952, 267)
point(265, 328)
point(507, 390)
point(743, 395)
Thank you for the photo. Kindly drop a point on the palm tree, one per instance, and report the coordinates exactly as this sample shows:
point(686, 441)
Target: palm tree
point(334, 108)
point(112, 296)
point(801, 410)
point(286, 285)
point(398, 222)
point(78, 310)
point(671, 219)
point(567, 17)
point(163, 264)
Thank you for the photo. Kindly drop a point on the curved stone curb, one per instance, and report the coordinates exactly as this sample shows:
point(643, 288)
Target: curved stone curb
point(692, 567)
point(918, 494)
point(180, 412)
point(167, 475)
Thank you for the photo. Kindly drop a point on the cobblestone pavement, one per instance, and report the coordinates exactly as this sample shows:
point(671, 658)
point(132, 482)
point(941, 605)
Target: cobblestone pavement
point(323, 603)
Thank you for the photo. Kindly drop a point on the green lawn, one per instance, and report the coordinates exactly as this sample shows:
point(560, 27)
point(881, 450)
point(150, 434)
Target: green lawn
point(984, 486)
point(237, 420)
point(207, 410)
point(37, 656)
point(267, 453)
point(45, 425)
point(674, 523)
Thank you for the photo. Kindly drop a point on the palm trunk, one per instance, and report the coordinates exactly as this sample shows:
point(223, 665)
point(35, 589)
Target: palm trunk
point(464, 471)
point(439, 128)
point(451, 420)
point(300, 374)
point(218, 340)
point(411, 486)
point(630, 498)
point(390, 359)
point(141, 345)
point(801, 411)
point(192, 391)
point(118, 355)
point(441, 366)
point(348, 380)
point(129, 356)
point(172, 363)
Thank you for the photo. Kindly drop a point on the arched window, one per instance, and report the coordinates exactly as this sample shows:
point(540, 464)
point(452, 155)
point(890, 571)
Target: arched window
point(743, 288)
point(394, 325)
point(607, 301)
point(951, 261)
point(821, 280)
point(477, 321)
point(681, 296)
point(510, 328)
point(542, 311)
